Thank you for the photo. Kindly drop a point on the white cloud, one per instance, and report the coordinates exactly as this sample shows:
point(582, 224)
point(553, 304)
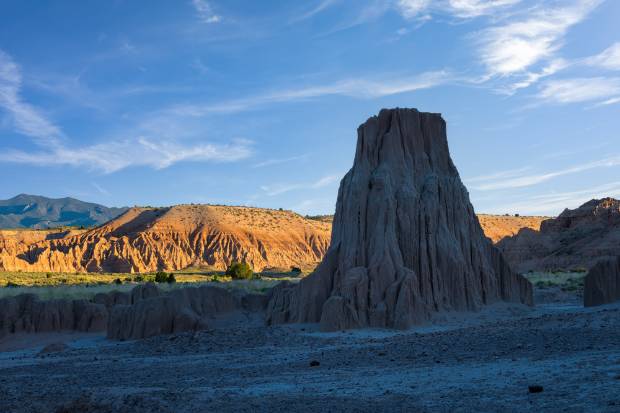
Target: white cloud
point(555, 202)
point(271, 162)
point(608, 59)
point(515, 47)
point(25, 118)
point(413, 9)
point(463, 9)
point(100, 189)
point(475, 8)
point(580, 90)
point(205, 12)
point(321, 6)
point(279, 188)
point(356, 87)
point(116, 155)
point(513, 179)
point(157, 151)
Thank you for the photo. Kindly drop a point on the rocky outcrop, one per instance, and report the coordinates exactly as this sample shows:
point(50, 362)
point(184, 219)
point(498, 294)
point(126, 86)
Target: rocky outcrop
point(575, 240)
point(186, 309)
point(602, 284)
point(152, 239)
point(144, 312)
point(26, 313)
point(405, 240)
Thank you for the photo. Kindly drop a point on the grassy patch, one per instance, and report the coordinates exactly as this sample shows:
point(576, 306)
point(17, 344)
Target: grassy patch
point(566, 280)
point(74, 286)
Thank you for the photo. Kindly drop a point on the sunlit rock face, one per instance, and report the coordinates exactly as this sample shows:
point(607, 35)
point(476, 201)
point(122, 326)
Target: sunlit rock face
point(405, 240)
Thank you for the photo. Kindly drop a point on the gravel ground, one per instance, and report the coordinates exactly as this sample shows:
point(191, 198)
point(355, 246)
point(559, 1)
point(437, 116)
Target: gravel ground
point(464, 362)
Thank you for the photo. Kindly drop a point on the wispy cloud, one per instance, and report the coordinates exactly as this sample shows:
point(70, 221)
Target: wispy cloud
point(205, 11)
point(100, 189)
point(271, 162)
point(475, 8)
point(26, 119)
point(607, 59)
point(356, 87)
point(109, 156)
point(318, 8)
point(513, 179)
point(116, 155)
point(414, 9)
point(605, 89)
point(555, 202)
point(515, 47)
point(280, 188)
point(463, 9)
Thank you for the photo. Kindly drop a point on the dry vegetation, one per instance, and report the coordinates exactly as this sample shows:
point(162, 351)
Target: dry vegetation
point(64, 285)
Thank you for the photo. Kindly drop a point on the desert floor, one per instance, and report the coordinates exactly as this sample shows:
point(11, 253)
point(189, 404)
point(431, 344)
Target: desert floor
point(465, 362)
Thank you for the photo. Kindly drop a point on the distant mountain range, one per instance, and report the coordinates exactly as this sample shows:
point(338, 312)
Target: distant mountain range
point(38, 212)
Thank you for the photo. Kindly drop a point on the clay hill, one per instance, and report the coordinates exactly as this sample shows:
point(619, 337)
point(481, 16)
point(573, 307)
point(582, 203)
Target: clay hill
point(576, 239)
point(151, 239)
point(498, 227)
point(495, 227)
point(405, 240)
point(31, 211)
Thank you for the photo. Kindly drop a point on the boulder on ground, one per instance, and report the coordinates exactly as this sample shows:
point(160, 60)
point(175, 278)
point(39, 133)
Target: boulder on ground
point(405, 239)
point(602, 284)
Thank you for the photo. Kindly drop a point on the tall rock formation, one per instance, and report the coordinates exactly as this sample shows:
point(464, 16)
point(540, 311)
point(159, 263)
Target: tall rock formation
point(576, 239)
point(405, 239)
point(602, 284)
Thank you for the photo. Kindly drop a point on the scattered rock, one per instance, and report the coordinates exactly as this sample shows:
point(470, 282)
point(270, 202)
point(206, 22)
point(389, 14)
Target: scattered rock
point(315, 363)
point(54, 348)
point(535, 389)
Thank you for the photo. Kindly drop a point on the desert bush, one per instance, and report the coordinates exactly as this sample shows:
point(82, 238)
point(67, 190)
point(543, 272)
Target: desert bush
point(118, 281)
point(296, 270)
point(239, 271)
point(171, 278)
point(161, 277)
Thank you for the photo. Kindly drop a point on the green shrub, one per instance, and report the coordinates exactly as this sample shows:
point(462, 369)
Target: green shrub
point(171, 278)
point(161, 277)
point(296, 270)
point(118, 281)
point(239, 271)
point(138, 278)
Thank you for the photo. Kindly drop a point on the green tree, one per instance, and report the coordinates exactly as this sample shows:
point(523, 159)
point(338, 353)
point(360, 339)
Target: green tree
point(161, 277)
point(239, 271)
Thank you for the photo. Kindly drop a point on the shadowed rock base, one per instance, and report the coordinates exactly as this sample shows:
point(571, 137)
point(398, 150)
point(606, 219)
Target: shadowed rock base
point(144, 312)
point(405, 239)
point(602, 284)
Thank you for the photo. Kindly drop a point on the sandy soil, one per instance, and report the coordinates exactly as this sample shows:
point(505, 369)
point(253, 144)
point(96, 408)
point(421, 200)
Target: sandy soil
point(481, 362)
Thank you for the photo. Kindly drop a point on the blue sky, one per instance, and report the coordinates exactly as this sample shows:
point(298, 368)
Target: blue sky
point(257, 102)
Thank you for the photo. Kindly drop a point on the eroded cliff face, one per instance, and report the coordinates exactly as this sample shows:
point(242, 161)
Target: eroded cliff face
point(405, 239)
point(576, 239)
point(148, 239)
point(602, 284)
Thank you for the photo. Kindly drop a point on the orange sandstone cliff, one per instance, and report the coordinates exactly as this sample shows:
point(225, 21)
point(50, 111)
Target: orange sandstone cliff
point(174, 238)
